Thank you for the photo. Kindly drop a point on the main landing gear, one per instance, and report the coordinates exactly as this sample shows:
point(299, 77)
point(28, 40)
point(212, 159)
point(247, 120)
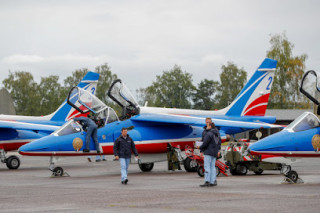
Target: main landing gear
point(146, 167)
point(12, 162)
point(290, 176)
point(56, 171)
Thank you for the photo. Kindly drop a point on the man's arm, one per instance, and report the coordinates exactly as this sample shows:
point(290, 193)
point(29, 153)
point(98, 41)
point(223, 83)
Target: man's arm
point(116, 148)
point(207, 139)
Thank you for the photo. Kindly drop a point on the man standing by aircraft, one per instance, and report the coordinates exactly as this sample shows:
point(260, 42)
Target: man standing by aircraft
point(122, 149)
point(91, 128)
point(210, 147)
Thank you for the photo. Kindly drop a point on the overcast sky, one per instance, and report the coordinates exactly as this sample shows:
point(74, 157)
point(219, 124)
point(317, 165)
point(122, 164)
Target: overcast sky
point(141, 39)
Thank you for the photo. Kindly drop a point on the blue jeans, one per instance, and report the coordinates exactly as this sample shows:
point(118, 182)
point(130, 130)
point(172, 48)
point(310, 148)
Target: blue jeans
point(124, 163)
point(92, 132)
point(209, 169)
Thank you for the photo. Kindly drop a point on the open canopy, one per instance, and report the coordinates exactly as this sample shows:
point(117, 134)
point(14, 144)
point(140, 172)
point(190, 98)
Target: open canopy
point(123, 97)
point(310, 86)
point(84, 101)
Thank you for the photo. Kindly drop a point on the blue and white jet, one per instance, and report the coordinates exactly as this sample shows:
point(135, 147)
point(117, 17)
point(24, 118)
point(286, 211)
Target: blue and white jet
point(301, 138)
point(17, 130)
point(250, 104)
point(151, 132)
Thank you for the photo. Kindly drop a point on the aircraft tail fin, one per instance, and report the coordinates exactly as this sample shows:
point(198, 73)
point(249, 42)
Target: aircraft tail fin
point(253, 98)
point(65, 111)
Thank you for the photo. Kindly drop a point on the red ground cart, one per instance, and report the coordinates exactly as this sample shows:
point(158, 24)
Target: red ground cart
point(198, 157)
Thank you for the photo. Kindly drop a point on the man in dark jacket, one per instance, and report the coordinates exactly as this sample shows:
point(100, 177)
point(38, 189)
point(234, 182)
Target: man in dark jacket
point(122, 149)
point(211, 150)
point(91, 128)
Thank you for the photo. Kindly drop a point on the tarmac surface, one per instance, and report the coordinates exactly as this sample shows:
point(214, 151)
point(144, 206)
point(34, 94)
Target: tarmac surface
point(96, 187)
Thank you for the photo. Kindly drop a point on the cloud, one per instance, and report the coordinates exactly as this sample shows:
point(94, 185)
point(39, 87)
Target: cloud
point(18, 59)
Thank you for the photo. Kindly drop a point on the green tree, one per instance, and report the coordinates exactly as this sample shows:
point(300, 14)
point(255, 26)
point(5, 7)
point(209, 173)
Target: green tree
point(173, 88)
point(24, 92)
point(72, 81)
point(204, 97)
point(232, 80)
point(105, 80)
point(50, 93)
point(285, 90)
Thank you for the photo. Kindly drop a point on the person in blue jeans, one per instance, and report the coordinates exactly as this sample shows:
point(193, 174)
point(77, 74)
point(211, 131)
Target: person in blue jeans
point(91, 128)
point(211, 150)
point(122, 150)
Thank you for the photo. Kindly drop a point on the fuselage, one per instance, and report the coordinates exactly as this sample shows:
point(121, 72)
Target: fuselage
point(148, 139)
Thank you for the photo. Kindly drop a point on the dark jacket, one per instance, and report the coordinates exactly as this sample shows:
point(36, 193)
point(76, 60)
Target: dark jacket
point(211, 142)
point(86, 122)
point(205, 131)
point(122, 147)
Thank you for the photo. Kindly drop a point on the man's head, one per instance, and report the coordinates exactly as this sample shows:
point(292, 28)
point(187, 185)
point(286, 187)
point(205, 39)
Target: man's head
point(208, 121)
point(124, 132)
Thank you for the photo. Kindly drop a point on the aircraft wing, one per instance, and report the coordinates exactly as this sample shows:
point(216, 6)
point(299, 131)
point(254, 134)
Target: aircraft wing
point(227, 126)
point(14, 125)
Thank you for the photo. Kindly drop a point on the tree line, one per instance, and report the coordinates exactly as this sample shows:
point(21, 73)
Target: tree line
point(173, 88)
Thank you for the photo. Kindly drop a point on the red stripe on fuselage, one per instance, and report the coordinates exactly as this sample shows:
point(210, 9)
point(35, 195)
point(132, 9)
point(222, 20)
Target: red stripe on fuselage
point(12, 146)
point(263, 155)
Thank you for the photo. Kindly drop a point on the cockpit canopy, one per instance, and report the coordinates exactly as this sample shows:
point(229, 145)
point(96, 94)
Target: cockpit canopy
point(304, 122)
point(86, 102)
point(310, 86)
point(123, 97)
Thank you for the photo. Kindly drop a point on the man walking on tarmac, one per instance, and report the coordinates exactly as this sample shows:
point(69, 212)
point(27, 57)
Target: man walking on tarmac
point(122, 149)
point(211, 149)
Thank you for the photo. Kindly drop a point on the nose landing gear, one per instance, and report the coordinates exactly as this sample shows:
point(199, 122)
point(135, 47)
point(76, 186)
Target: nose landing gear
point(56, 171)
point(290, 176)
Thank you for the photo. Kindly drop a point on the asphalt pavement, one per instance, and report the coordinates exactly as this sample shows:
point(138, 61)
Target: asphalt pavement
point(96, 187)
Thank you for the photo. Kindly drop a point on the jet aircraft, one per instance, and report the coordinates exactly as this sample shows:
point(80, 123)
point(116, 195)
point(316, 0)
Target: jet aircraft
point(299, 139)
point(17, 130)
point(151, 132)
point(249, 105)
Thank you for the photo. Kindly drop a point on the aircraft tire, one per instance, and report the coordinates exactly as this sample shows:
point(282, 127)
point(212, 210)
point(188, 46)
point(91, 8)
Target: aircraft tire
point(241, 169)
point(58, 172)
point(190, 165)
point(259, 172)
point(146, 167)
point(293, 175)
point(200, 171)
point(13, 162)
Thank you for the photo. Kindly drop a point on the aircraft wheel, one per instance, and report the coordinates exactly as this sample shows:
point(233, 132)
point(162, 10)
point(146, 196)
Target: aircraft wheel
point(259, 172)
point(217, 171)
point(146, 167)
point(13, 162)
point(200, 171)
point(58, 172)
point(293, 175)
point(241, 169)
point(190, 165)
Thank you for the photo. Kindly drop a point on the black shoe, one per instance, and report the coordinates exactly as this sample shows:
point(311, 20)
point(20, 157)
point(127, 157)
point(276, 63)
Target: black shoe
point(122, 182)
point(98, 160)
point(104, 160)
point(125, 181)
point(206, 184)
point(86, 150)
point(214, 184)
